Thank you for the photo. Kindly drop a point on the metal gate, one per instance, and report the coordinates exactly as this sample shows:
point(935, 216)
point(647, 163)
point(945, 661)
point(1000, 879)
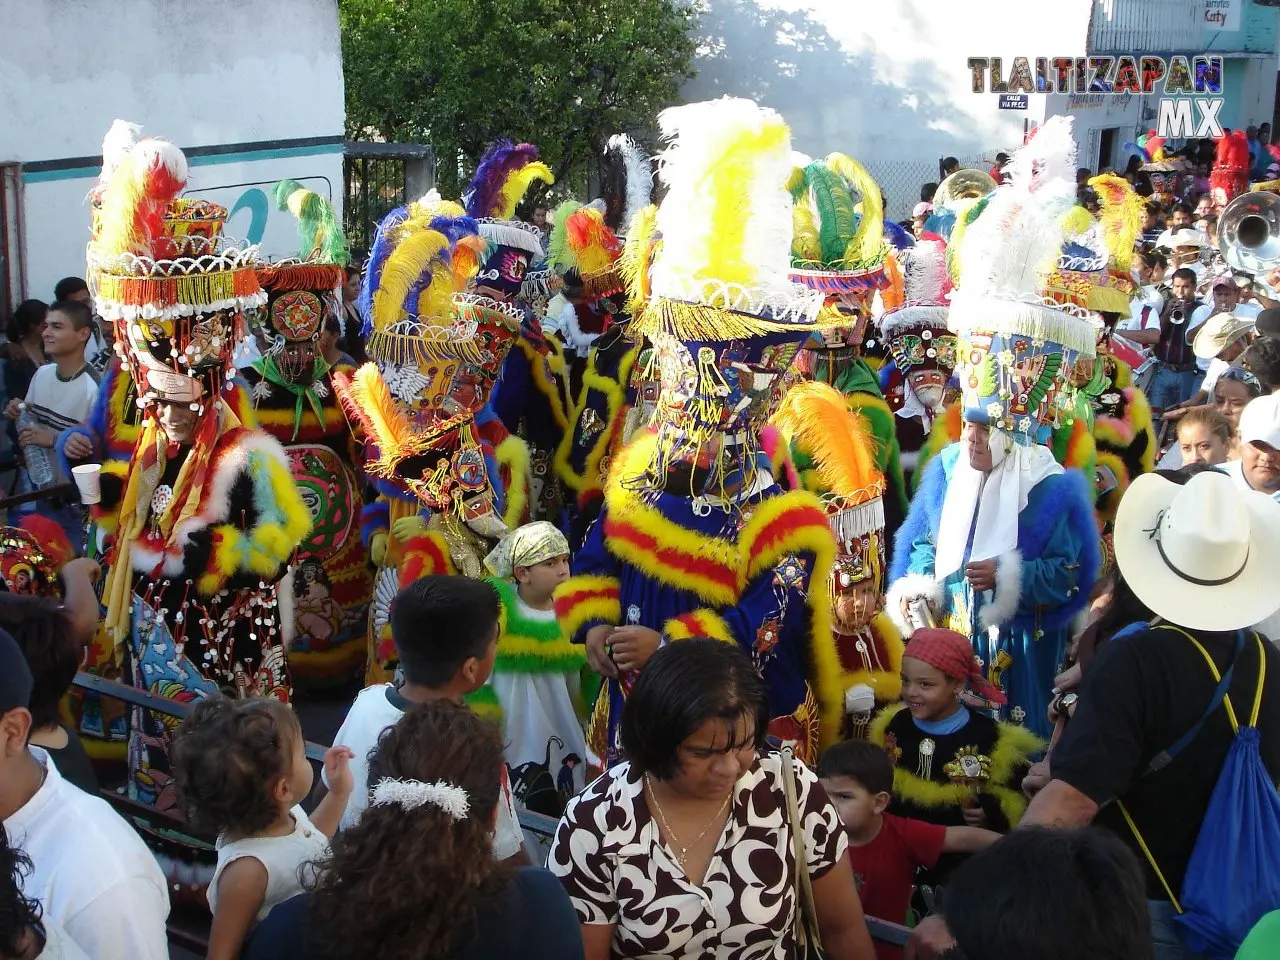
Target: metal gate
point(377, 178)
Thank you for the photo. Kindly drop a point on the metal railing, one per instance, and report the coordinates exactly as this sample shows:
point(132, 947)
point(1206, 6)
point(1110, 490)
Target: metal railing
point(187, 933)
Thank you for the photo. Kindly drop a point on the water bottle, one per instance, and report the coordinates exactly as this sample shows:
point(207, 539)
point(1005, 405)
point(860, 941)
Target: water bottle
point(38, 459)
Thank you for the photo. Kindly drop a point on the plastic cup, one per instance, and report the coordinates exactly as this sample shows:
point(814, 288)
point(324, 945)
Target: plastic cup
point(87, 477)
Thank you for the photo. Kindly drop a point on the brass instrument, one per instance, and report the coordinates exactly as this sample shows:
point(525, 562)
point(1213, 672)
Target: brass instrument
point(1249, 232)
point(963, 185)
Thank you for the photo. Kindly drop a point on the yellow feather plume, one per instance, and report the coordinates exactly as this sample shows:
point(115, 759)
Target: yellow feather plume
point(637, 255)
point(116, 221)
point(1122, 211)
point(867, 242)
point(815, 417)
point(468, 254)
point(438, 208)
point(517, 185)
point(1076, 221)
point(437, 299)
point(368, 400)
point(403, 269)
point(726, 258)
point(805, 244)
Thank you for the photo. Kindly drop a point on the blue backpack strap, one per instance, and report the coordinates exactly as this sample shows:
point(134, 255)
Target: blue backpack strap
point(1165, 757)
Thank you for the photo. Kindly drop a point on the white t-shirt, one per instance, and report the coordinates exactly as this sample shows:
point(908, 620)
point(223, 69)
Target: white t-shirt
point(376, 708)
point(280, 856)
point(92, 874)
point(1235, 470)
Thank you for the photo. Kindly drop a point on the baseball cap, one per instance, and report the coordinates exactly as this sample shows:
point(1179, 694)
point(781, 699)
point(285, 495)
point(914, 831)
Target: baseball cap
point(922, 209)
point(1260, 421)
point(1219, 332)
point(1224, 281)
point(15, 675)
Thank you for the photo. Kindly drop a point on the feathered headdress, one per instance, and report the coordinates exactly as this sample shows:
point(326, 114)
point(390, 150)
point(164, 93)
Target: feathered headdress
point(1017, 345)
point(838, 241)
point(627, 182)
point(822, 430)
point(638, 252)
point(722, 271)
point(503, 176)
point(320, 236)
point(1230, 174)
point(582, 243)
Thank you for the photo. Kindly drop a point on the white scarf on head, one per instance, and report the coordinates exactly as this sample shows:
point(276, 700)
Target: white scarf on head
point(996, 498)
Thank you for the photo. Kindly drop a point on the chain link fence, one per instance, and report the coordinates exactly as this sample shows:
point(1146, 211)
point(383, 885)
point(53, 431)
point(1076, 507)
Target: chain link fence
point(901, 180)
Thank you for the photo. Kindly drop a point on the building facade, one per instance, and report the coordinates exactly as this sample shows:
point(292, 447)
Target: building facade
point(252, 91)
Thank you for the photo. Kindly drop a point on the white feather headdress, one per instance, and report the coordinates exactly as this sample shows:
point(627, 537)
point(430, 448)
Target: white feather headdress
point(1010, 250)
point(638, 169)
point(726, 219)
point(925, 283)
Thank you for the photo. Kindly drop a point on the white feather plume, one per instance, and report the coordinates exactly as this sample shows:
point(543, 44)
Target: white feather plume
point(697, 261)
point(168, 154)
point(924, 272)
point(1015, 242)
point(120, 139)
point(639, 174)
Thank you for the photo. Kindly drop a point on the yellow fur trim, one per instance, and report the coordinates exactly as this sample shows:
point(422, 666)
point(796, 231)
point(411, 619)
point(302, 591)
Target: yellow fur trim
point(824, 672)
point(698, 623)
point(224, 559)
point(513, 453)
point(542, 369)
point(615, 397)
point(1014, 745)
point(600, 602)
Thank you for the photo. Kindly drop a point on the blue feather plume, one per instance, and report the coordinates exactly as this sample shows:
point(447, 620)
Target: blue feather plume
point(379, 251)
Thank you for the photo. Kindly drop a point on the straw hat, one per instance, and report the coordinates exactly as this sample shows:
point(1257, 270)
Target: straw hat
point(1202, 555)
point(1219, 332)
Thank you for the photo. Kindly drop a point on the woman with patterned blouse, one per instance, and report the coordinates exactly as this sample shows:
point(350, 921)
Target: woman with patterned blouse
point(685, 850)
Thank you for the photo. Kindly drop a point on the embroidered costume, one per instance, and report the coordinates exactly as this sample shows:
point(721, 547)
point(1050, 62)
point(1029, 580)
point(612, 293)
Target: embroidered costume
point(834, 453)
point(540, 679)
point(1026, 513)
point(841, 254)
point(695, 538)
point(207, 522)
point(294, 400)
point(530, 398)
point(443, 493)
point(605, 397)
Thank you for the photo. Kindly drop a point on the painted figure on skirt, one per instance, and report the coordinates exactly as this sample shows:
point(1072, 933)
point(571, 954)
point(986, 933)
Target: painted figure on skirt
point(605, 397)
point(834, 453)
point(695, 538)
point(294, 399)
point(208, 516)
point(1000, 541)
point(530, 397)
point(444, 495)
point(841, 254)
point(540, 680)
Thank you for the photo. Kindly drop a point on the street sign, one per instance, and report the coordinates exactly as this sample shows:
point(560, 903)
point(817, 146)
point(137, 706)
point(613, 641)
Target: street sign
point(1013, 101)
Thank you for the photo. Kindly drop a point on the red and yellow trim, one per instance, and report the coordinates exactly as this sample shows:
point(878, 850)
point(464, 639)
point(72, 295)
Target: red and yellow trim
point(582, 599)
point(423, 556)
point(698, 623)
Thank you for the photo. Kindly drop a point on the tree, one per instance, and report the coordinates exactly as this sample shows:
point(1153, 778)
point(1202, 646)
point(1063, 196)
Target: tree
point(563, 74)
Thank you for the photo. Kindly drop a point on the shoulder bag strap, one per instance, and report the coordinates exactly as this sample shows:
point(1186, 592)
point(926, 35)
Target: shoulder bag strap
point(807, 921)
point(1162, 759)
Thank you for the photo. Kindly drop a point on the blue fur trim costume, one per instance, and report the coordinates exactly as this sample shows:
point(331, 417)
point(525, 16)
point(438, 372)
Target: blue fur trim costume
point(1058, 543)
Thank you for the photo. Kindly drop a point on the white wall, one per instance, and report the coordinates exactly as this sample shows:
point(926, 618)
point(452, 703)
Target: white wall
point(886, 81)
point(195, 72)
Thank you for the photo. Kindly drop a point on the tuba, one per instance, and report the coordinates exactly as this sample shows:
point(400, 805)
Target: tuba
point(1249, 232)
point(963, 185)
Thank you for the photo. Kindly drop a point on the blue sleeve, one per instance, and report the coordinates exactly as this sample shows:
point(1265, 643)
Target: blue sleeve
point(913, 547)
point(511, 388)
point(1053, 578)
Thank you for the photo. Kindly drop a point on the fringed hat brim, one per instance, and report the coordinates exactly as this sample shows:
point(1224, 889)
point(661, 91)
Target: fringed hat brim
point(1040, 320)
point(838, 282)
point(511, 233)
point(913, 316)
point(185, 295)
point(286, 276)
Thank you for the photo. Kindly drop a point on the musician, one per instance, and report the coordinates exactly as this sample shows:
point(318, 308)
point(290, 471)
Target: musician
point(1176, 375)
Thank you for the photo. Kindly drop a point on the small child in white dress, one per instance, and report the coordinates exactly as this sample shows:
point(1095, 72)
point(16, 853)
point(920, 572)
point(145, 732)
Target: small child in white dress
point(242, 770)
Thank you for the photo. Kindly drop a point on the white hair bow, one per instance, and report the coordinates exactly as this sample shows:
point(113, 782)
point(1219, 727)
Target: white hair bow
point(411, 794)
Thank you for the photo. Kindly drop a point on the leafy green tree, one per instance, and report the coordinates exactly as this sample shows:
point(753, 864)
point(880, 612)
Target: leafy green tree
point(563, 74)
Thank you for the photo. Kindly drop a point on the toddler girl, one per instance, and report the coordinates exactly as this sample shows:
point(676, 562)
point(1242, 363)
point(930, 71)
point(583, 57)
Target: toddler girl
point(242, 770)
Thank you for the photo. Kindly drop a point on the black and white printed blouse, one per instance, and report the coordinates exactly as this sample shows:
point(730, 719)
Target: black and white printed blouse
point(617, 870)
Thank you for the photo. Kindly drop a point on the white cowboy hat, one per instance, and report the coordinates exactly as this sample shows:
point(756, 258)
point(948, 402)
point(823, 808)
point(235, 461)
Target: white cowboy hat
point(1203, 555)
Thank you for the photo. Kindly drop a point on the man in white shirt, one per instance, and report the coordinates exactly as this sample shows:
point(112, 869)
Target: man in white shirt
point(93, 876)
point(1258, 468)
point(1226, 299)
point(61, 395)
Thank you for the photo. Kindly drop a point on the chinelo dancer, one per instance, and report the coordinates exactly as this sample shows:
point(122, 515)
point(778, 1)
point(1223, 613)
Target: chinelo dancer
point(695, 538)
point(1001, 542)
point(208, 513)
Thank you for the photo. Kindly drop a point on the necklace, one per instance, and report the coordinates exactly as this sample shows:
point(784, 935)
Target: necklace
point(682, 850)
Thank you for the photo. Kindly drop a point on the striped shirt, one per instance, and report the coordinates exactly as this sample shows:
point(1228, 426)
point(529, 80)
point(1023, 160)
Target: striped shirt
point(59, 404)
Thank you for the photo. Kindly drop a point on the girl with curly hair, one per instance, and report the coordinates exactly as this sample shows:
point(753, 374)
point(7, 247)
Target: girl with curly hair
point(415, 877)
point(242, 770)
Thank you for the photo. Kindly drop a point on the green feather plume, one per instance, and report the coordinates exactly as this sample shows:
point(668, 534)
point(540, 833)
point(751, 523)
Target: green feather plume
point(559, 257)
point(320, 236)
